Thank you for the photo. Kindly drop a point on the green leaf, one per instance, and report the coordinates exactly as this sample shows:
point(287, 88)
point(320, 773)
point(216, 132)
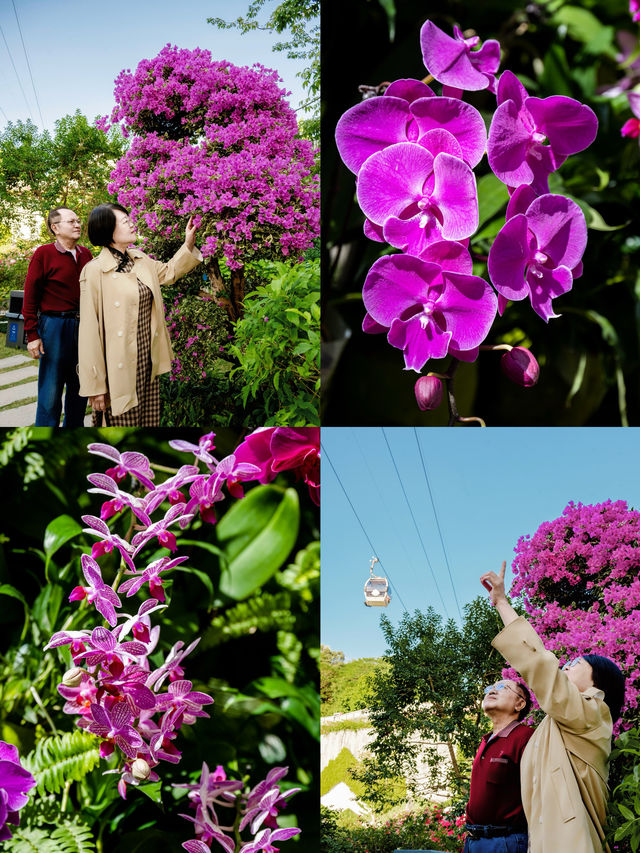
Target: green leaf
point(258, 534)
point(583, 26)
point(626, 812)
point(492, 197)
point(153, 790)
point(60, 759)
point(59, 531)
point(7, 589)
point(272, 749)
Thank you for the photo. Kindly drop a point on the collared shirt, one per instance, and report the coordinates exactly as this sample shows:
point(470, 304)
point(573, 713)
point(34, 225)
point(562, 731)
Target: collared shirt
point(52, 283)
point(494, 797)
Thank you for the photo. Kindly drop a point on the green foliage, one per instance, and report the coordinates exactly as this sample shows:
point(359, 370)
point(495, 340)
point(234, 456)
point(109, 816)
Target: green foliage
point(60, 759)
point(344, 726)
point(345, 686)
point(64, 838)
point(277, 343)
point(623, 826)
point(339, 770)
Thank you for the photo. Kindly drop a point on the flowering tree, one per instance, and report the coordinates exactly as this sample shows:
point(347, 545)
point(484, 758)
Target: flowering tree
point(218, 142)
point(413, 152)
point(578, 579)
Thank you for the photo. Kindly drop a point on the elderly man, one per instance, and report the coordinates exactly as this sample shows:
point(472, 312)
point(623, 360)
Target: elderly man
point(51, 313)
point(495, 817)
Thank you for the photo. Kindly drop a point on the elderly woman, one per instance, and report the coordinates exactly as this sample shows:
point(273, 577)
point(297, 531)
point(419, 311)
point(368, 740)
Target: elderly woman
point(564, 766)
point(123, 339)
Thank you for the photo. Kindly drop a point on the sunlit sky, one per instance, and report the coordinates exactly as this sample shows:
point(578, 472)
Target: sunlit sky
point(489, 487)
point(76, 50)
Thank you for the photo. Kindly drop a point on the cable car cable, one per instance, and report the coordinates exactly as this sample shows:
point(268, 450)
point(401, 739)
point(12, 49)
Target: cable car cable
point(33, 85)
point(435, 514)
point(326, 456)
point(17, 75)
point(414, 522)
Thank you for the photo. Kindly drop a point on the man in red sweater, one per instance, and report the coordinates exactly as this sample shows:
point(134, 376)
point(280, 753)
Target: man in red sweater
point(51, 314)
point(495, 816)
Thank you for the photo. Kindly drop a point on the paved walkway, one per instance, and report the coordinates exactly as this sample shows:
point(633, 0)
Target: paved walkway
point(18, 368)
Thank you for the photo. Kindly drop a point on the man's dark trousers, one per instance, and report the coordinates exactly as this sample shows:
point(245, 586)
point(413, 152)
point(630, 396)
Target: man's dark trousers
point(58, 367)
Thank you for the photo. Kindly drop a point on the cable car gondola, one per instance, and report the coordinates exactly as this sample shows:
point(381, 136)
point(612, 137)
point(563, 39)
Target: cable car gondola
point(376, 589)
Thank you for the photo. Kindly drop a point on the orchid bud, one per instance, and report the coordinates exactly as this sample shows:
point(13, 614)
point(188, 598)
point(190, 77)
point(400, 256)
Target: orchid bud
point(73, 677)
point(428, 390)
point(520, 366)
point(140, 770)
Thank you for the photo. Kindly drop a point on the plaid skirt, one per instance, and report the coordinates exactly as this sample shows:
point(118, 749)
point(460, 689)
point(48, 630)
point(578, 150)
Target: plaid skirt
point(147, 412)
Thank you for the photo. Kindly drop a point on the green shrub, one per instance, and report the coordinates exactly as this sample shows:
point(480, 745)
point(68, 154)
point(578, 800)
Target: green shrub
point(623, 826)
point(277, 345)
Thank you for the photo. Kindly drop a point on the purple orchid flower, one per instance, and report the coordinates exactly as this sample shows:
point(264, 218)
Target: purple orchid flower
point(170, 489)
point(265, 800)
point(129, 683)
point(416, 198)
point(201, 451)
point(631, 127)
point(104, 649)
point(105, 485)
point(428, 311)
point(634, 9)
point(454, 62)
point(15, 783)
point(159, 529)
point(263, 841)
point(79, 699)
point(538, 253)
point(97, 527)
point(129, 462)
point(171, 668)
point(181, 701)
point(104, 599)
point(140, 624)
point(151, 575)
point(373, 125)
point(531, 137)
point(115, 727)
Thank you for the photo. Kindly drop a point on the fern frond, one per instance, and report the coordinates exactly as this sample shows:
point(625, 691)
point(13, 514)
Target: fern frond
point(30, 840)
point(61, 759)
point(13, 443)
point(74, 838)
point(261, 613)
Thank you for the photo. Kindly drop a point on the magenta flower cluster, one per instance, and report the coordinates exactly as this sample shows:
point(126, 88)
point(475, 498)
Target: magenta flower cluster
point(218, 142)
point(255, 810)
point(113, 688)
point(15, 784)
point(414, 151)
point(578, 577)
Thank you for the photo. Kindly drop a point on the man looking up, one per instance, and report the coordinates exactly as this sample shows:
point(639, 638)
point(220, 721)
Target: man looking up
point(495, 817)
point(51, 313)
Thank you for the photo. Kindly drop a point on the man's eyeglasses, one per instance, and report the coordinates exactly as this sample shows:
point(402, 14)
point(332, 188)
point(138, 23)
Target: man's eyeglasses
point(500, 685)
point(571, 663)
point(68, 222)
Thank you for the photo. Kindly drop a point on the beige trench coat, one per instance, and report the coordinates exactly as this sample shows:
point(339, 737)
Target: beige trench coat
point(107, 343)
point(564, 766)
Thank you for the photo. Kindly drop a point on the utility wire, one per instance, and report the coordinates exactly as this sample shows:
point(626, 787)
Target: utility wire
point(28, 64)
point(435, 514)
point(16, 72)
point(414, 521)
point(366, 535)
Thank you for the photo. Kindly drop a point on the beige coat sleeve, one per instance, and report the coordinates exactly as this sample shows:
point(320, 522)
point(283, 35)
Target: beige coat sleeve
point(91, 361)
point(180, 264)
point(557, 696)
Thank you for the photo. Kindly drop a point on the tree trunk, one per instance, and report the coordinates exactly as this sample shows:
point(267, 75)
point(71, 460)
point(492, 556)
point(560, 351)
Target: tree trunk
point(237, 292)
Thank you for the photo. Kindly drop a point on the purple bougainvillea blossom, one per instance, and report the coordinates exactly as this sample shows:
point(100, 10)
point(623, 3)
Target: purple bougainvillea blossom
point(531, 137)
point(428, 311)
point(373, 125)
point(416, 198)
point(97, 592)
point(631, 127)
point(536, 253)
point(454, 62)
point(15, 783)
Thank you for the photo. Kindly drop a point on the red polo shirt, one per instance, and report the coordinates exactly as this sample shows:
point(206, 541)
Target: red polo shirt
point(494, 797)
point(52, 283)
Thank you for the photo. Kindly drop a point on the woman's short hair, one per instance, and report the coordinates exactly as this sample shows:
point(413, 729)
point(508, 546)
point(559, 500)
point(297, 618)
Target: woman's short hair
point(608, 678)
point(102, 223)
point(524, 712)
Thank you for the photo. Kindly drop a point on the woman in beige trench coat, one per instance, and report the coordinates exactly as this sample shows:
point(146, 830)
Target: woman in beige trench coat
point(123, 343)
point(564, 766)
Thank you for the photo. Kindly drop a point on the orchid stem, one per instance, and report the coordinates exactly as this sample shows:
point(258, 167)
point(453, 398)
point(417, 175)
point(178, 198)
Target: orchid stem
point(454, 416)
point(38, 702)
point(163, 468)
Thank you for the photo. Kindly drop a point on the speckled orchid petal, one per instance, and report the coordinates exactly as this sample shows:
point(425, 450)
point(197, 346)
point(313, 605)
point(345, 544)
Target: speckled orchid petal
point(371, 126)
point(454, 62)
point(456, 196)
point(462, 120)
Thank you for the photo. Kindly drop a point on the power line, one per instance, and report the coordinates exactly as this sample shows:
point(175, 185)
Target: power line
point(16, 72)
point(414, 521)
point(435, 514)
point(366, 535)
point(33, 86)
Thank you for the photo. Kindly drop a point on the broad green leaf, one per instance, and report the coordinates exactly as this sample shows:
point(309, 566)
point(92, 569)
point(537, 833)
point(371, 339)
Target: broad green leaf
point(492, 197)
point(626, 812)
point(59, 531)
point(153, 790)
point(257, 534)
point(583, 26)
point(272, 749)
point(7, 589)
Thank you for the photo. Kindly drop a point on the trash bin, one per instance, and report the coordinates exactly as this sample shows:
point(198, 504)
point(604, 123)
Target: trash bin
point(15, 335)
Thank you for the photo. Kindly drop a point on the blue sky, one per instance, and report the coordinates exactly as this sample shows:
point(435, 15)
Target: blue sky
point(76, 49)
point(489, 487)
